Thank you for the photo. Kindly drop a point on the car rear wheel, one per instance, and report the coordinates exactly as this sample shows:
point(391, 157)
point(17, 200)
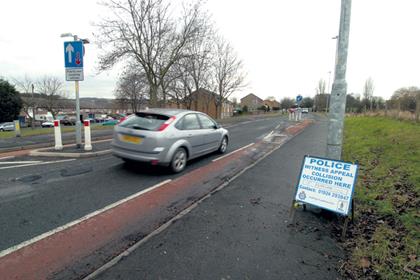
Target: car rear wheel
point(223, 145)
point(179, 160)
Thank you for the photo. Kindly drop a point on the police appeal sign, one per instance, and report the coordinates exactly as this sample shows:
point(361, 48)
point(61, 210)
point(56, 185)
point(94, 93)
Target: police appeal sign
point(327, 183)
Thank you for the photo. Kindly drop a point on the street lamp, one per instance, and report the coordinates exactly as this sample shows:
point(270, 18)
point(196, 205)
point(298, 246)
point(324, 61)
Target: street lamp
point(78, 121)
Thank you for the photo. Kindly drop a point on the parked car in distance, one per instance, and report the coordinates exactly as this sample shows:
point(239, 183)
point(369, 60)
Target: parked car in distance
point(305, 110)
point(47, 124)
point(168, 137)
point(110, 122)
point(7, 126)
point(66, 120)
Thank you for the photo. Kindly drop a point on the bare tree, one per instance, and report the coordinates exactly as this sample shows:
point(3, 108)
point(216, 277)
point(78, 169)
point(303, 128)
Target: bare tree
point(51, 92)
point(368, 89)
point(286, 103)
point(132, 88)
point(228, 74)
point(180, 86)
point(30, 100)
point(192, 71)
point(320, 89)
point(145, 31)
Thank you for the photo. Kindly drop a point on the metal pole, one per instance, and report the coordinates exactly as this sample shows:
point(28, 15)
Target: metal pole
point(339, 88)
point(78, 122)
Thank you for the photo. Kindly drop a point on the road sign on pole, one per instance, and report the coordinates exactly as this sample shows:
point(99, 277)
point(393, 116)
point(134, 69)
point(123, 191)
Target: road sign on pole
point(298, 98)
point(73, 60)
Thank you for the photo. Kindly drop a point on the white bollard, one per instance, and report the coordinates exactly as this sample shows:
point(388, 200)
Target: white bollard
point(88, 143)
point(57, 135)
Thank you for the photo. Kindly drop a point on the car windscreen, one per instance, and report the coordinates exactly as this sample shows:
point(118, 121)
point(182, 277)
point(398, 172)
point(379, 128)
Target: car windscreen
point(144, 121)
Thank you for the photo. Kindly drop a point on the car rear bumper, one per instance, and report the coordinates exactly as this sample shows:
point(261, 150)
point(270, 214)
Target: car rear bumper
point(157, 158)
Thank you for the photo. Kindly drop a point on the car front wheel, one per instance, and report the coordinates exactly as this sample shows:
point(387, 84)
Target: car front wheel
point(179, 160)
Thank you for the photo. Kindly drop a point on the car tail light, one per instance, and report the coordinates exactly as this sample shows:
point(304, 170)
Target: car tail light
point(167, 123)
point(122, 119)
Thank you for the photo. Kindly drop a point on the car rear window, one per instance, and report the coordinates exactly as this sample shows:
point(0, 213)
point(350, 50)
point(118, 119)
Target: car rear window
point(145, 121)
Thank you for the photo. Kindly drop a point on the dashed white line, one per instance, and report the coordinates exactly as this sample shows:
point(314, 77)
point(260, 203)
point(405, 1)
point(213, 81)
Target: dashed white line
point(37, 163)
point(75, 222)
point(237, 150)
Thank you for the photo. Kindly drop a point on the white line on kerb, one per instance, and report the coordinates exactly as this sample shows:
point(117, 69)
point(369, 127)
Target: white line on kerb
point(75, 222)
point(37, 163)
point(237, 150)
point(20, 162)
point(3, 158)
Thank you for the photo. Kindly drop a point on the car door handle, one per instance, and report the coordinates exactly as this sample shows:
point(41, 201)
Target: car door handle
point(190, 135)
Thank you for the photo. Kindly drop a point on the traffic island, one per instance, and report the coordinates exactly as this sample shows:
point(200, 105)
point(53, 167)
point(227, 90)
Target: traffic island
point(99, 148)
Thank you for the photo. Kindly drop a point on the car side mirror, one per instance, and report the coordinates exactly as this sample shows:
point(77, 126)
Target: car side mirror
point(216, 126)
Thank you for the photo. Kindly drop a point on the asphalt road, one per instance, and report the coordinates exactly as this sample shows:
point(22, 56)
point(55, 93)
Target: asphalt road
point(42, 196)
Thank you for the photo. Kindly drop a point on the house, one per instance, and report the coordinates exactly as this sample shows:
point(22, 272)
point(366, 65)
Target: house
point(203, 100)
point(252, 102)
point(272, 104)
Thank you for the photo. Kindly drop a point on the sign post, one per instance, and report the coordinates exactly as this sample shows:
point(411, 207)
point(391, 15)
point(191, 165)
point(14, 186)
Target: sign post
point(73, 60)
point(327, 184)
point(298, 99)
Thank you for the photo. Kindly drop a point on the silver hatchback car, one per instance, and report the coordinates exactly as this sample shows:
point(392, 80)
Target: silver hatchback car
point(168, 137)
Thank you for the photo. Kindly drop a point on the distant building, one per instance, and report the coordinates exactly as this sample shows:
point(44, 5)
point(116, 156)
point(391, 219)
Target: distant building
point(204, 101)
point(272, 104)
point(252, 102)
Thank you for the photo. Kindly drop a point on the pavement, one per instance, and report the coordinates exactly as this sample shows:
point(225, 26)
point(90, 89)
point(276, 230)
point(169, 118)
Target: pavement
point(243, 231)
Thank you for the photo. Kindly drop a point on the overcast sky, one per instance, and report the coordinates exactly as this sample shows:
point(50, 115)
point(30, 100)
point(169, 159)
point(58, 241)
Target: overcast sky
point(286, 45)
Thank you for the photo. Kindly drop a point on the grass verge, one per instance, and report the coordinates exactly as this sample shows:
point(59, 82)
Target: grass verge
point(384, 240)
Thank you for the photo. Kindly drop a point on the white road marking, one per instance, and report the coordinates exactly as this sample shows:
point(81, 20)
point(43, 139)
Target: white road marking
point(78, 221)
point(245, 122)
point(37, 163)
point(268, 135)
point(11, 157)
point(20, 162)
point(237, 150)
point(100, 141)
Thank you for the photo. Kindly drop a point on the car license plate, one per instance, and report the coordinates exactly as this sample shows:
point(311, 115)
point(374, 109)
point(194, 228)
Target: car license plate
point(131, 139)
